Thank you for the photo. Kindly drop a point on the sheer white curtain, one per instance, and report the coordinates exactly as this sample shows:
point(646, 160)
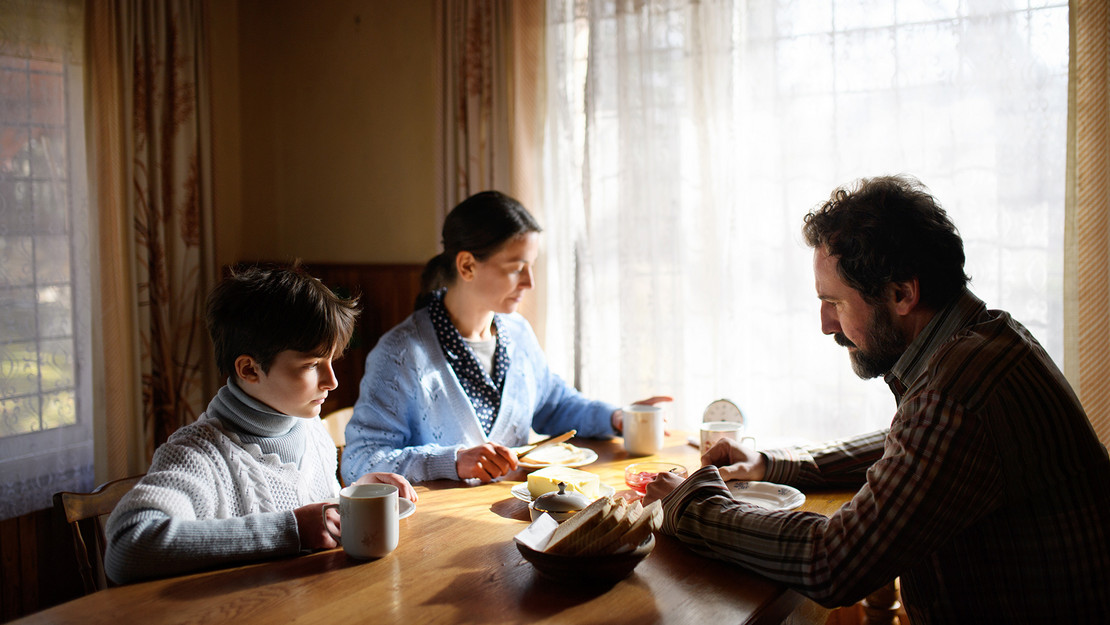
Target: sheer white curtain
point(686, 140)
point(46, 440)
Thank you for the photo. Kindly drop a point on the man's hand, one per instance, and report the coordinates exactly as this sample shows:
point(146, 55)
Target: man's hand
point(735, 462)
point(404, 489)
point(485, 462)
point(312, 529)
point(661, 486)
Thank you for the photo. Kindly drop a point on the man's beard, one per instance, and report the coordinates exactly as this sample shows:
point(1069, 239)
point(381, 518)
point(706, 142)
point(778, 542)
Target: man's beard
point(885, 345)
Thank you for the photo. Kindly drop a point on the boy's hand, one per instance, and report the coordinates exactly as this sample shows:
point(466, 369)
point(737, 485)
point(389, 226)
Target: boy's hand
point(485, 462)
point(734, 461)
point(310, 526)
point(404, 489)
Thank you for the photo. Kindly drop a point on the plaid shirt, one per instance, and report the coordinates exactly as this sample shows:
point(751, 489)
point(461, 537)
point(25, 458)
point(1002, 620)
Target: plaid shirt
point(989, 495)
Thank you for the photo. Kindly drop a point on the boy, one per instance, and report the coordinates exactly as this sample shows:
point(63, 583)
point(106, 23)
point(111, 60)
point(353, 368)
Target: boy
point(249, 478)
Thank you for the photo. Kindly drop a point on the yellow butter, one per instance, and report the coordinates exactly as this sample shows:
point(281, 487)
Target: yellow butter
point(547, 479)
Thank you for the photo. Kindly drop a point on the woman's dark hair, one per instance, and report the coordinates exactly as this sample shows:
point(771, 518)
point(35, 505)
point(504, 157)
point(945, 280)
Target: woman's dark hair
point(890, 229)
point(262, 312)
point(481, 224)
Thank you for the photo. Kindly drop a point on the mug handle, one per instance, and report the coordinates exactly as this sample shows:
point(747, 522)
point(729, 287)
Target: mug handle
point(324, 513)
point(748, 440)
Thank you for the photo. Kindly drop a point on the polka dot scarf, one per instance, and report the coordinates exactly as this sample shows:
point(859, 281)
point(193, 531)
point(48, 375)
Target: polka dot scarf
point(483, 390)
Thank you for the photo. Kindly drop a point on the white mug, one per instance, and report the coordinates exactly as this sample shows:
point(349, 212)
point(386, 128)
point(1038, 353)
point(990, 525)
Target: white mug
point(368, 515)
point(713, 431)
point(643, 429)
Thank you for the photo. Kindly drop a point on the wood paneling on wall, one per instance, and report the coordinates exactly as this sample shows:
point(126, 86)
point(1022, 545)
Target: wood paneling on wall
point(37, 567)
point(387, 293)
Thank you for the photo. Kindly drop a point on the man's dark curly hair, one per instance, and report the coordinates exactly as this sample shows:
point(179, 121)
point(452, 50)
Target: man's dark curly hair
point(890, 229)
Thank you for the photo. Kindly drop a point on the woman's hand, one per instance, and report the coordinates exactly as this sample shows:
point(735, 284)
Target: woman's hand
point(312, 528)
point(735, 462)
point(404, 489)
point(485, 462)
point(617, 417)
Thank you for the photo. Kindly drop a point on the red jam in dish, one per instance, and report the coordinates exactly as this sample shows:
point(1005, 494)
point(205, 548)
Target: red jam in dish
point(639, 481)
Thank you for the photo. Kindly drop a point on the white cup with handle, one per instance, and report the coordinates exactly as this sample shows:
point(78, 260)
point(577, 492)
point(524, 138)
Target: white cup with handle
point(368, 520)
point(713, 431)
point(642, 429)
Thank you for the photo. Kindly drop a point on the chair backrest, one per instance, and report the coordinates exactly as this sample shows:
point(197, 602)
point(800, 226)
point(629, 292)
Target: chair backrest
point(336, 423)
point(86, 515)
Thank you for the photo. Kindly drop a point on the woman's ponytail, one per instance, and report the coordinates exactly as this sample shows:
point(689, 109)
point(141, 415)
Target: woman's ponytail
point(436, 275)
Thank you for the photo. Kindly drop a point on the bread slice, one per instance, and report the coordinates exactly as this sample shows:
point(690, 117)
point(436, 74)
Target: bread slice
point(579, 542)
point(577, 526)
point(591, 542)
point(608, 542)
point(650, 520)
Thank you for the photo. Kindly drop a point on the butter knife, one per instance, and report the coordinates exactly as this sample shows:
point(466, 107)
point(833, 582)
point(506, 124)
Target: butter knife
point(547, 441)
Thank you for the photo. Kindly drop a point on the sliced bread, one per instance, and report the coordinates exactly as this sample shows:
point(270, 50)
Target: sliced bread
point(650, 520)
point(601, 543)
point(577, 526)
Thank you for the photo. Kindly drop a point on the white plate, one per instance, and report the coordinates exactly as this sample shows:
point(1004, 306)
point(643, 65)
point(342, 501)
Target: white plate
point(767, 495)
point(588, 456)
point(404, 506)
point(520, 491)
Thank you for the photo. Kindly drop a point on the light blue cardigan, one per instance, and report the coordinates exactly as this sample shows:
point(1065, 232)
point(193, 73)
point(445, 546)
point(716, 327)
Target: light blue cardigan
point(412, 416)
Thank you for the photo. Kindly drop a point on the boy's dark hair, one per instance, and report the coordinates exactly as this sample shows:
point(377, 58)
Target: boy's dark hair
point(261, 312)
point(890, 229)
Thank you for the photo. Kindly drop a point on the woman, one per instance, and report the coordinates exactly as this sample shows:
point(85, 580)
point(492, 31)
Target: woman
point(450, 389)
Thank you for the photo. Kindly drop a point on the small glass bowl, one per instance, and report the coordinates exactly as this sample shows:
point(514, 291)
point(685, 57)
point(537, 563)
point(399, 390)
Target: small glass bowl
point(639, 474)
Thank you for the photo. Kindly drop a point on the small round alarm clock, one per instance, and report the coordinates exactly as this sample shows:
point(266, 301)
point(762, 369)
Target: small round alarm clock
point(722, 410)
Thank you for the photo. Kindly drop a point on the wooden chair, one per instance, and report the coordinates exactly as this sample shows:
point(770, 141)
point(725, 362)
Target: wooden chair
point(86, 514)
point(336, 423)
point(884, 606)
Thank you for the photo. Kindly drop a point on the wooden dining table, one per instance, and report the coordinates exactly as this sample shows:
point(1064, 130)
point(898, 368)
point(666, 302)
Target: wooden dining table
point(457, 563)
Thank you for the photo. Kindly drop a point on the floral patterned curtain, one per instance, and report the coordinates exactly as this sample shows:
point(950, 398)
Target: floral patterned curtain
point(166, 251)
point(490, 85)
point(474, 114)
point(171, 208)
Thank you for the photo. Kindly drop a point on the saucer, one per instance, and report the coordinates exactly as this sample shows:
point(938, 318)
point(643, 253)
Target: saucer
point(520, 491)
point(767, 495)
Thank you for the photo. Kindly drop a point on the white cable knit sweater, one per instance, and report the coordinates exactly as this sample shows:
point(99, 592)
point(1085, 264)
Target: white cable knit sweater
point(212, 499)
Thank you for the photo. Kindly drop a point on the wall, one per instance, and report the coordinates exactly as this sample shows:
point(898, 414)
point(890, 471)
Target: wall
point(324, 130)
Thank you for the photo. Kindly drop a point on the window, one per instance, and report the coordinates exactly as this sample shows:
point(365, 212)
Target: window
point(686, 140)
point(45, 382)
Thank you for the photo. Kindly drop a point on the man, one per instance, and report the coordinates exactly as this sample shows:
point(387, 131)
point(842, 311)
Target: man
point(989, 495)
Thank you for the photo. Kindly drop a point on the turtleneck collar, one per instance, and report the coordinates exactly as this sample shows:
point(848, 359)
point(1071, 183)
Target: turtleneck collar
point(255, 422)
point(246, 414)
